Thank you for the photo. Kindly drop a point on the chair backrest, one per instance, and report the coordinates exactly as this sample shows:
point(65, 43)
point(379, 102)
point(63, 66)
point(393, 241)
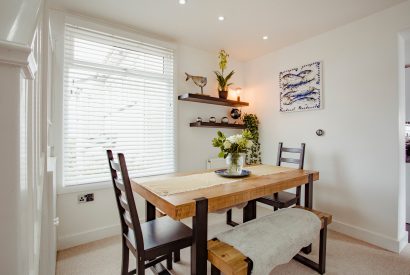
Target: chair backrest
point(125, 201)
point(300, 151)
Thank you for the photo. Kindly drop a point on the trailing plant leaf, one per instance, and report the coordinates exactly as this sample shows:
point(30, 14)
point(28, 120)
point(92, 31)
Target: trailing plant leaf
point(251, 122)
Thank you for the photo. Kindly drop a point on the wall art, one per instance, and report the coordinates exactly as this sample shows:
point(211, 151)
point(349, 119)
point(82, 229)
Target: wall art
point(301, 88)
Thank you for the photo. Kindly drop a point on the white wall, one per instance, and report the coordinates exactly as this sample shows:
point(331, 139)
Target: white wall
point(407, 89)
point(80, 223)
point(407, 74)
point(359, 155)
point(194, 144)
point(18, 20)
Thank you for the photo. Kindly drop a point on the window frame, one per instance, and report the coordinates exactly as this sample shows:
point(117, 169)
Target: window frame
point(58, 20)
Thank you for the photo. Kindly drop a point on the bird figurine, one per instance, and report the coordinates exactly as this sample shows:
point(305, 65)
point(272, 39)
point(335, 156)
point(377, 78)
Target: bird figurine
point(199, 81)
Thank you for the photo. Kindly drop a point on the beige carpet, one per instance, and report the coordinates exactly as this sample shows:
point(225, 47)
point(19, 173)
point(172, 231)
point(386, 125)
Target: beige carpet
point(344, 256)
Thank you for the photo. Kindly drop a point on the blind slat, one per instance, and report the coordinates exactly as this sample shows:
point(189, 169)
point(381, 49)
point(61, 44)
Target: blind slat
point(118, 94)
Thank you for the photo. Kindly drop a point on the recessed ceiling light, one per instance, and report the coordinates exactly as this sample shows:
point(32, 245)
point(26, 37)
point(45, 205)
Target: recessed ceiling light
point(221, 18)
point(265, 37)
point(182, 2)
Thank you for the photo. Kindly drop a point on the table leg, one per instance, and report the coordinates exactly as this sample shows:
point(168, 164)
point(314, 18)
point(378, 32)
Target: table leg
point(199, 250)
point(149, 211)
point(309, 192)
point(308, 204)
point(249, 211)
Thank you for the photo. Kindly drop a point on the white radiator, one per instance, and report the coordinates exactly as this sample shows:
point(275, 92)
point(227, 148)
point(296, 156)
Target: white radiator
point(216, 163)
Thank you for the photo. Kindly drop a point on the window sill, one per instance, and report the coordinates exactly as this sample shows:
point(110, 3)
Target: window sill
point(84, 187)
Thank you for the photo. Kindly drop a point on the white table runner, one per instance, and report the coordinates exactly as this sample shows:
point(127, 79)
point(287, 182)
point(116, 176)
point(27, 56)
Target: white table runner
point(170, 186)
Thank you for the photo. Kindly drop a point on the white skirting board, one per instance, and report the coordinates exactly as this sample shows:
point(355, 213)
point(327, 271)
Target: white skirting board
point(374, 238)
point(65, 242)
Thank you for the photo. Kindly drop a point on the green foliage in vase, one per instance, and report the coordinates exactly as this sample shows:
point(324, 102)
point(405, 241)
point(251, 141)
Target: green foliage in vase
point(251, 122)
point(223, 81)
point(235, 144)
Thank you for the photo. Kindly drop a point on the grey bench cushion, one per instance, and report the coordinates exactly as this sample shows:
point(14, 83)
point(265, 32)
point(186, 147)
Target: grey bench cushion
point(273, 239)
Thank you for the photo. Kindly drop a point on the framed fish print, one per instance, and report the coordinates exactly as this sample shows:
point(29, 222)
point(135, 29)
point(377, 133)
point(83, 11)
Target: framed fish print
point(301, 88)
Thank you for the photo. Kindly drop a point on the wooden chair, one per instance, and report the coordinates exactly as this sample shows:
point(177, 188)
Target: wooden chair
point(282, 199)
point(151, 242)
point(285, 199)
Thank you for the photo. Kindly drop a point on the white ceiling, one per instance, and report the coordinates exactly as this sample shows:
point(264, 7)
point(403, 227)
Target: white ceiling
point(246, 21)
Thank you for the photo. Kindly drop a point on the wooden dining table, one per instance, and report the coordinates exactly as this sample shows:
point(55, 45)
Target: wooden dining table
point(197, 203)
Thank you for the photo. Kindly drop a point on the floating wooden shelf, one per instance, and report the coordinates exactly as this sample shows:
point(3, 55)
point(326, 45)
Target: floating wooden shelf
point(212, 100)
point(216, 125)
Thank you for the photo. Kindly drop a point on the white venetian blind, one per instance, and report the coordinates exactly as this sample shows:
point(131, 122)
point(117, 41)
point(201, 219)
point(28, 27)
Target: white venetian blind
point(118, 94)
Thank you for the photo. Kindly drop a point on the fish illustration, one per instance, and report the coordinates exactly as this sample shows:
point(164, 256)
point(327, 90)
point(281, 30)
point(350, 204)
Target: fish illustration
point(296, 93)
point(199, 81)
point(297, 84)
point(289, 101)
point(299, 75)
point(291, 97)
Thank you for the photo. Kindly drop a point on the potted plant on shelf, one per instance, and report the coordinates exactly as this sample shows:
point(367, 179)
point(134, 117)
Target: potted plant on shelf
point(223, 81)
point(233, 149)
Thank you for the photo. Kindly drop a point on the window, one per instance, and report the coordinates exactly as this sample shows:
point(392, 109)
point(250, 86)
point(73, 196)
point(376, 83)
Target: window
point(118, 94)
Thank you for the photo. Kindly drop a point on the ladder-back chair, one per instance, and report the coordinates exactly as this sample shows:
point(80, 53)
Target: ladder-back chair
point(151, 242)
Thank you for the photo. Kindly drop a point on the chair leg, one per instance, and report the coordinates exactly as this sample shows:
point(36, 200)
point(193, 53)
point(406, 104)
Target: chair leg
point(169, 261)
point(215, 271)
point(229, 220)
point(275, 197)
point(177, 256)
point(229, 216)
point(140, 268)
point(125, 258)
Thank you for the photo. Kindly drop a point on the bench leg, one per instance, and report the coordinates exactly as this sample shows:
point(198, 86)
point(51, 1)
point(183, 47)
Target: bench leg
point(321, 266)
point(250, 265)
point(307, 249)
point(308, 204)
point(322, 248)
point(215, 270)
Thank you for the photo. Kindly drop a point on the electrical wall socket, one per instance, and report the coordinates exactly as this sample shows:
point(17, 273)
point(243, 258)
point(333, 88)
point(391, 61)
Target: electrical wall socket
point(83, 198)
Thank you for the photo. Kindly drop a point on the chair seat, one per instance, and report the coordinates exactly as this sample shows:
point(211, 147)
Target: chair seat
point(284, 200)
point(162, 236)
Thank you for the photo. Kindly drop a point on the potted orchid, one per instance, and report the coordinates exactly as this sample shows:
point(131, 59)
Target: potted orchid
point(233, 149)
point(223, 81)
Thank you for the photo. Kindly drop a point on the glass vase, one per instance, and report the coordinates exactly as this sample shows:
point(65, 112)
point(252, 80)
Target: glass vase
point(235, 162)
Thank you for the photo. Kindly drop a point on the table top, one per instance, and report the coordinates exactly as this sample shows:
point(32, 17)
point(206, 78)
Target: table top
point(182, 205)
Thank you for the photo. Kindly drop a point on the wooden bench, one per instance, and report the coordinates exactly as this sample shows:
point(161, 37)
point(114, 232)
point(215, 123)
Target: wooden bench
point(230, 261)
